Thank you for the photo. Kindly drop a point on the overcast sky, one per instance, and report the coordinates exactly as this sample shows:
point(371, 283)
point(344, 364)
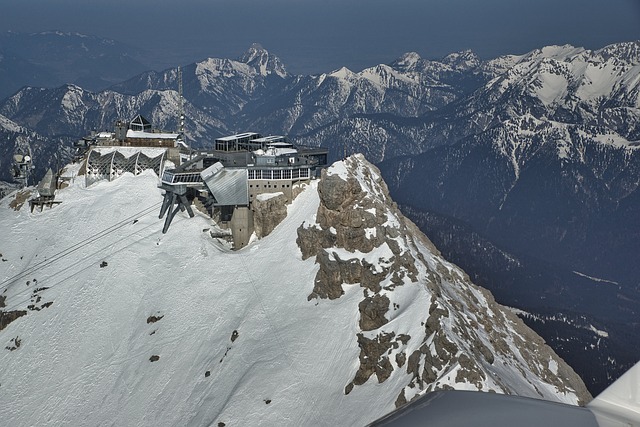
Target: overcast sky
point(313, 36)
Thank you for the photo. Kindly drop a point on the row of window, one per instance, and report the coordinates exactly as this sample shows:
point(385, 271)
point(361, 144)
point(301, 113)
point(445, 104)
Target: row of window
point(274, 186)
point(302, 173)
point(278, 173)
point(171, 178)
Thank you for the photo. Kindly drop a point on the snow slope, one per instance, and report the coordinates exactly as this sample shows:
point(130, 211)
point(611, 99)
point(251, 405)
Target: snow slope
point(91, 348)
point(127, 326)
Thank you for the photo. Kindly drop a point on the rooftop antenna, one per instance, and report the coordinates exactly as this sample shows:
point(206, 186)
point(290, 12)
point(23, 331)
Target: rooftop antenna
point(22, 166)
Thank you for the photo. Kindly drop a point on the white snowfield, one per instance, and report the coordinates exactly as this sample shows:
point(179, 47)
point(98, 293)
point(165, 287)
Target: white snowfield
point(148, 329)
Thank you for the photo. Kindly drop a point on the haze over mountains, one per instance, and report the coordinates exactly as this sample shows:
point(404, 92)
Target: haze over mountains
point(54, 58)
point(523, 169)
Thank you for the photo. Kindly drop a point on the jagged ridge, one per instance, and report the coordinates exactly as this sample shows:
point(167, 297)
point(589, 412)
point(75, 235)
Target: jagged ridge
point(419, 314)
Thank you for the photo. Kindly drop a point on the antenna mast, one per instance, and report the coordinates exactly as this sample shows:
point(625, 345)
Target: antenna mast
point(181, 107)
point(181, 129)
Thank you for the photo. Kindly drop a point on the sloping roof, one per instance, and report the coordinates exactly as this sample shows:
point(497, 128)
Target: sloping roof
point(228, 186)
point(139, 123)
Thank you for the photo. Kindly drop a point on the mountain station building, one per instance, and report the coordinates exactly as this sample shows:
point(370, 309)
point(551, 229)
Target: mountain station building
point(223, 182)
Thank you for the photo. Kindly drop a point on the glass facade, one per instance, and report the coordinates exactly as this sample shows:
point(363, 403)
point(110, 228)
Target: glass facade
point(277, 174)
point(185, 178)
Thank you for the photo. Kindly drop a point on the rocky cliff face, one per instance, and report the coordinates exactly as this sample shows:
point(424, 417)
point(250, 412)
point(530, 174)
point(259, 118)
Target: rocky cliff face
point(460, 337)
point(268, 212)
point(560, 202)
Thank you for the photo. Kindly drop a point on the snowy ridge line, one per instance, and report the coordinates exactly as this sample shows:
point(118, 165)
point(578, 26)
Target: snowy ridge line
point(302, 389)
point(75, 247)
point(16, 305)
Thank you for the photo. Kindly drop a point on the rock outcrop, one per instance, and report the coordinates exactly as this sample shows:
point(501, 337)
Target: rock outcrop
point(268, 211)
point(464, 339)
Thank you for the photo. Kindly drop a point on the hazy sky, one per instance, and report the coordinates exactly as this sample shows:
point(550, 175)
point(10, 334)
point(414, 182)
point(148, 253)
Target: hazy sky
point(313, 36)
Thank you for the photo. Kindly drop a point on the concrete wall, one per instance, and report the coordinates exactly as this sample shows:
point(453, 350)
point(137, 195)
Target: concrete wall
point(285, 186)
point(241, 226)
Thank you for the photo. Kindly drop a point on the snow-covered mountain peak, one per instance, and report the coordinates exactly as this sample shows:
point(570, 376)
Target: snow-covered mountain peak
point(360, 239)
point(569, 79)
point(265, 63)
point(72, 99)
point(628, 51)
point(190, 333)
point(500, 65)
point(222, 67)
point(386, 77)
point(214, 73)
point(255, 52)
point(560, 53)
point(343, 73)
point(407, 61)
point(463, 60)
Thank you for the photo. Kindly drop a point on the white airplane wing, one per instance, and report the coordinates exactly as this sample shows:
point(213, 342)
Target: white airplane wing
point(619, 404)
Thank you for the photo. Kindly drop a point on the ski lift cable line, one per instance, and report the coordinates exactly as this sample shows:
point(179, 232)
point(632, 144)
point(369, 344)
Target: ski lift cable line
point(19, 305)
point(5, 283)
point(77, 246)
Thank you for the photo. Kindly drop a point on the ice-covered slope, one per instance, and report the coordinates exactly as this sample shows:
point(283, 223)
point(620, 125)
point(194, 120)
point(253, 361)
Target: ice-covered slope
point(119, 324)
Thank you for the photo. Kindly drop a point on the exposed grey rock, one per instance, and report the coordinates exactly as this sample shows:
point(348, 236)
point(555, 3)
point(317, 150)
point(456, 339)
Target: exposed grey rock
point(268, 213)
point(372, 311)
point(360, 238)
point(373, 359)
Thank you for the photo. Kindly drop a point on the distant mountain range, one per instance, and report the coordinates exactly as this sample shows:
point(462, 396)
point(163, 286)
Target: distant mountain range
point(53, 58)
point(523, 169)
